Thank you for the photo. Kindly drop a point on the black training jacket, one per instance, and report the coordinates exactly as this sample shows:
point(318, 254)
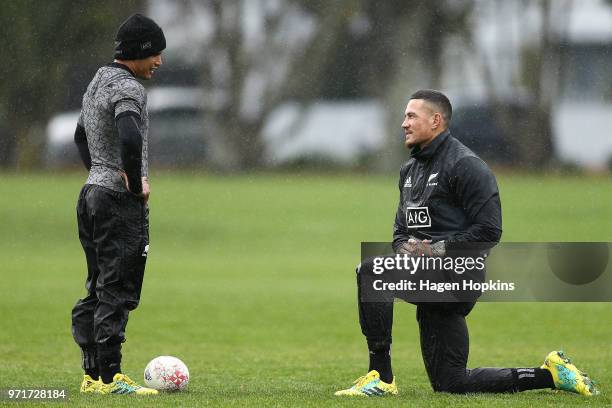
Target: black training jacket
point(447, 193)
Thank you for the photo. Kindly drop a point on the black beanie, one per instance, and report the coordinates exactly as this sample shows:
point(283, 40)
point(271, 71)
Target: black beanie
point(138, 37)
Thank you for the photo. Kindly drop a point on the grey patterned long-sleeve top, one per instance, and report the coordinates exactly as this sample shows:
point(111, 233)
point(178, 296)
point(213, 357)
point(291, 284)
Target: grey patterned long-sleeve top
point(112, 91)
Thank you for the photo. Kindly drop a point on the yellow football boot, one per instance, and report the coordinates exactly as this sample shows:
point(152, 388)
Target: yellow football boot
point(122, 384)
point(89, 384)
point(566, 376)
point(370, 385)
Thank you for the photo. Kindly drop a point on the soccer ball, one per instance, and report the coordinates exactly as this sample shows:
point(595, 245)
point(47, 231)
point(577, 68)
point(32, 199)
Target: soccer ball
point(166, 373)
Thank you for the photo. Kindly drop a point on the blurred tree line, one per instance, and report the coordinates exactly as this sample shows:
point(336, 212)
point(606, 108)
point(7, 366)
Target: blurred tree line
point(355, 50)
point(348, 49)
point(45, 45)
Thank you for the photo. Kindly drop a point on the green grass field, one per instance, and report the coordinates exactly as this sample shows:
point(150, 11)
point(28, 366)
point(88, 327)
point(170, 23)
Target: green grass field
point(250, 280)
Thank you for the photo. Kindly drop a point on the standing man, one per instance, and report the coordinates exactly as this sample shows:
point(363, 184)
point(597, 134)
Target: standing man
point(112, 211)
point(449, 202)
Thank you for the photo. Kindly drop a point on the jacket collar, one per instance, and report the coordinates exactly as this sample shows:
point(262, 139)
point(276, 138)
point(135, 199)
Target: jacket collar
point(428, 151)
point(118, 65)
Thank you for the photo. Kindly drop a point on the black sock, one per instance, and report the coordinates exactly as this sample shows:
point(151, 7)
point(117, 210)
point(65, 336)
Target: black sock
point(89, 361)
point(381, 361)
point(94, 374)
point(533, 379)
point(108, 371)
point(109, 362)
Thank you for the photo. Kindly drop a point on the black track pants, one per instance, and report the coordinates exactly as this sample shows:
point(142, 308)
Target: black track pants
point(444, 343)
point(445, 348)
point(114, 233)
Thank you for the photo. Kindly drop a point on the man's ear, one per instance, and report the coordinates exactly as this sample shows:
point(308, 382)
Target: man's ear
point(436, 121)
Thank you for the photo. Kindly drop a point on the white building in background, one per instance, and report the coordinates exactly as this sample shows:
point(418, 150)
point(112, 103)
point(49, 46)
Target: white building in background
point(582, 111)
point(583, 118)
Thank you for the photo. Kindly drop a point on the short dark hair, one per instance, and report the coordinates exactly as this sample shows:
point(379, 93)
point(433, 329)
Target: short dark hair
point(436, 98)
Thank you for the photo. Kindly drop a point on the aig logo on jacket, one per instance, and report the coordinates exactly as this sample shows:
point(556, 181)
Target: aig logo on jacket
point(417, 217)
